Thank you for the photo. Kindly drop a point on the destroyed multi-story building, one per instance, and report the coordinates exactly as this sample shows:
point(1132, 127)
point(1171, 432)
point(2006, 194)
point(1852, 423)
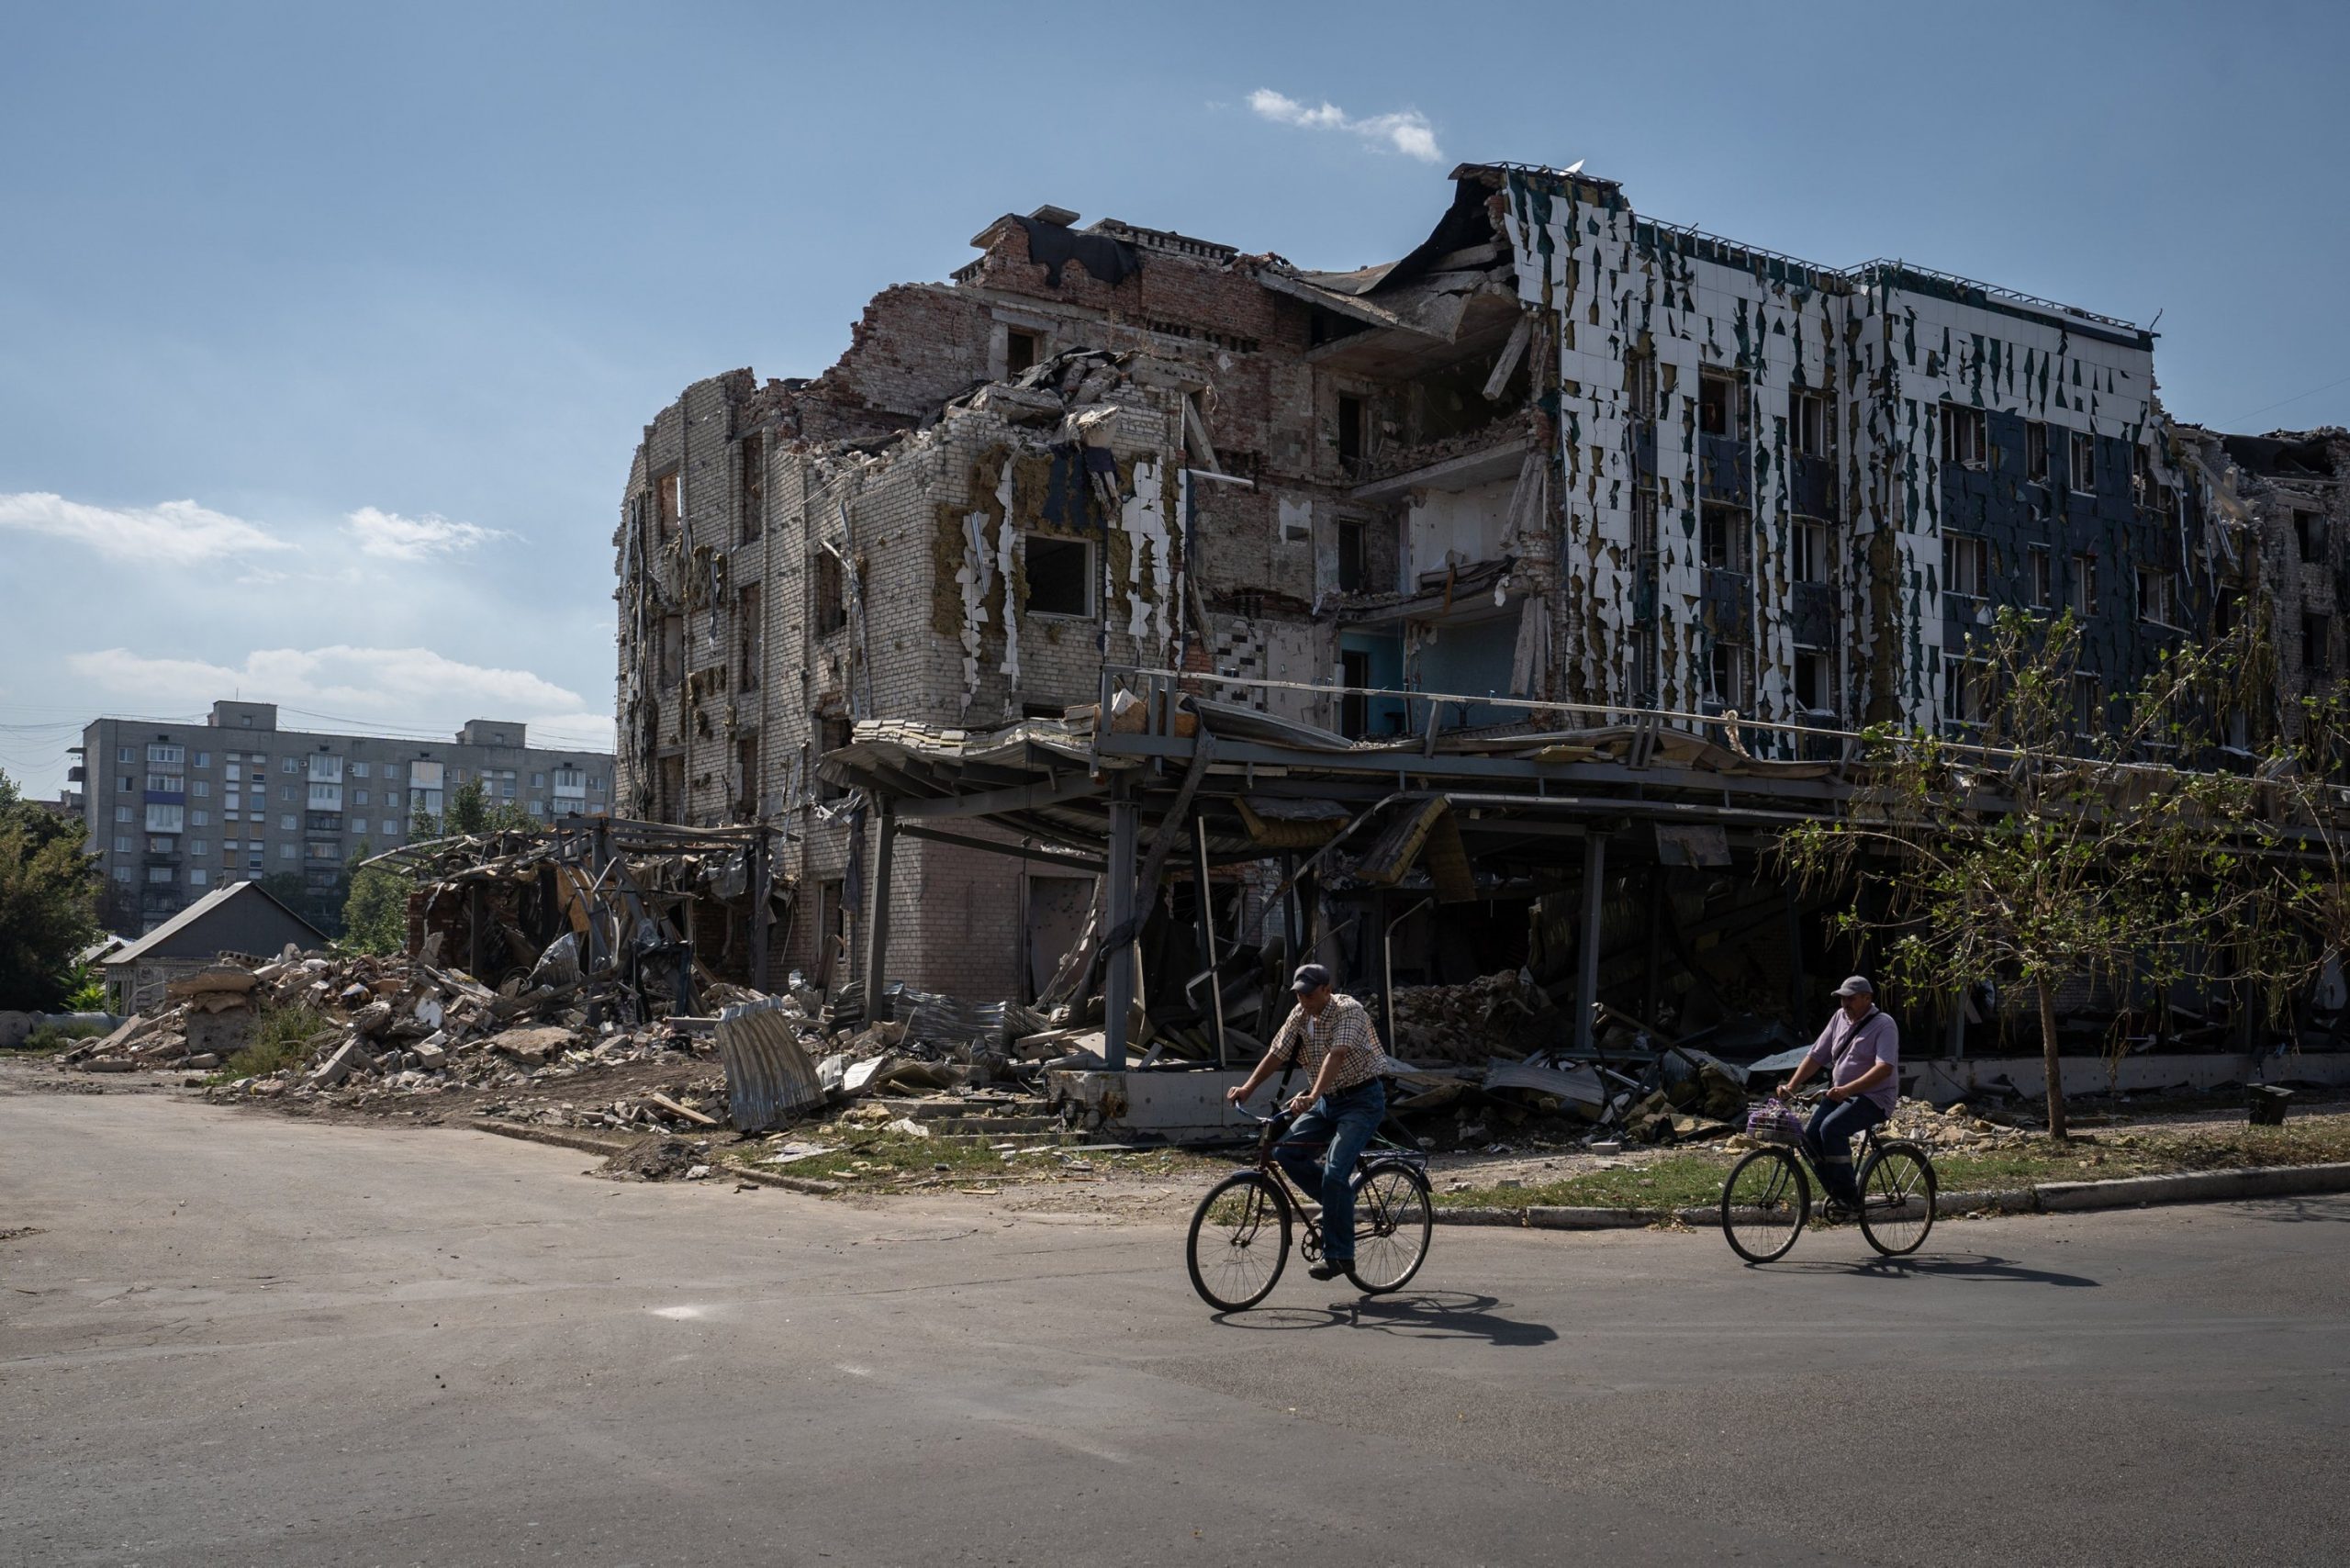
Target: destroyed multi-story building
point(1559, 452)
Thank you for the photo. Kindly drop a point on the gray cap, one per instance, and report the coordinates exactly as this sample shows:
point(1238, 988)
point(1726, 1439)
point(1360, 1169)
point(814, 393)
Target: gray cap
point(1309, 977)
point(1856, 985)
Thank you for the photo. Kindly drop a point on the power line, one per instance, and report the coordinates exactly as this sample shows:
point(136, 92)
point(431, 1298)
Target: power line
point(2294, 398)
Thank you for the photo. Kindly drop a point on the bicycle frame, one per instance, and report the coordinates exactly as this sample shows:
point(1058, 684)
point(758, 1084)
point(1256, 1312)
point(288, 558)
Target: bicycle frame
point(1382, 1151)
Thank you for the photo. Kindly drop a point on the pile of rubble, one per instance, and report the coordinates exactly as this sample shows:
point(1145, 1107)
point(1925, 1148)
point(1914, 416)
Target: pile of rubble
point(1499, 1014)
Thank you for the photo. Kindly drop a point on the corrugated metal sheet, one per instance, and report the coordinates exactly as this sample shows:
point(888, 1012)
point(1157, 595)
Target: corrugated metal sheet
point(768, 1075)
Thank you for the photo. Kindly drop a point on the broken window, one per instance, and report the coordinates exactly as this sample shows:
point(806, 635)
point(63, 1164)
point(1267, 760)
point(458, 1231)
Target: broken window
point(755, 487)
point(2089, 705)
point(1807, 423)
point(2036, 557)
point(2153, 596)
point(1350, 433)
point(665, 492)
point(2309, 527)
point(2035, 453)
point(1719, 405)
point(1967, 566)
point(831, 735)
point(1723, 538)
point(2081, 450)
point(2317, 655)
point(752, 628)
point(1061, 575)
point(1728, 676)
point(1639, 378)
point(1815, 680)
point(831, 929)
point(2083, 587)
point(830, 612)
point(1350, 565)
point(1962, 689)
point(1354, 708)
point(672, 804)
point(1962, 442)
point(1811, 551)
point(1020, 350)
point(747, 768)
point(673, 649)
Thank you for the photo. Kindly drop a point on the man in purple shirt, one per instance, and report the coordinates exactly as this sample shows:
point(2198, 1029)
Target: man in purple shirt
point(1862, 1050)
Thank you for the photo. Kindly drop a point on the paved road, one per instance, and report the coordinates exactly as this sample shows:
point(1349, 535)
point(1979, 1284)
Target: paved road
point(236, 1339)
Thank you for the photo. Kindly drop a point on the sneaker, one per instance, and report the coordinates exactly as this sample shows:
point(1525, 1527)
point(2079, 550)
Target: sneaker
point(1328, 1269)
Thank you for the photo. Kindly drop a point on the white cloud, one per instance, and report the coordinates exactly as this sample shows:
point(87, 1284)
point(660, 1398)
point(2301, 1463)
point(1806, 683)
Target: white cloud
point(1407, 131)
point(398, 538)
point(175, 533)
point(413, 688)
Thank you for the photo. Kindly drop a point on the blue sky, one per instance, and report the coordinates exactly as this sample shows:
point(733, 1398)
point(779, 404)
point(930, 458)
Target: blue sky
point(326, 331)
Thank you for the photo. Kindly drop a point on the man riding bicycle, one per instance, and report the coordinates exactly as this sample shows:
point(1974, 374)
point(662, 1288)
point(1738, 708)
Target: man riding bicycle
point(1862, 1049)
point(1342, 1107)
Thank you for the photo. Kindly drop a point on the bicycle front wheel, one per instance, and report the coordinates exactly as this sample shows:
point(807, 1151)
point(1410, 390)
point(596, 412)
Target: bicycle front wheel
point(1764, 1203)
point(1392, 1221)
point(1897, 1199)
point(1240, 1241)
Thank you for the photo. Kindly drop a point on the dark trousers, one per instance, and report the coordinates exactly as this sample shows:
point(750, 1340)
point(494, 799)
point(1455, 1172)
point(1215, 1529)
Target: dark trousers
point(1829, 1140)
point(1343, 1121)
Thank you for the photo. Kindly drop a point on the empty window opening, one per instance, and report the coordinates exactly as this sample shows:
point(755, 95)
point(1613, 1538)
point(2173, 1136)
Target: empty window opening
point(830, 612)
point(1354, 708)
point(1061, 575)
point(1729, 675)
point(1963, 436)
point(1351, 560)
point(2309, 527)
point(746, 770)
point(2082, 589)
point(665, 492)
point(2089, 705)
point(1807, 423)
point(1810, 552)
point(2081, 449)
point(831, 735)
point(1351, 430)
point(755, 487)
point(1723, 538)
point(672, 803)
point(1815, 680)
point(1020, 350)
point(1963, 690)
point(2153, 596)
point(1967, 566)
point(2035, 453)
point(2316, 644)
point(750, 618)
point(1717, 402)
point(2036, 559)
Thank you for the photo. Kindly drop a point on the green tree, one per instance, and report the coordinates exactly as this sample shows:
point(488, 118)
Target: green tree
point(472, 812)
point(49, 890)
point(2054, 852)
point(375, 908)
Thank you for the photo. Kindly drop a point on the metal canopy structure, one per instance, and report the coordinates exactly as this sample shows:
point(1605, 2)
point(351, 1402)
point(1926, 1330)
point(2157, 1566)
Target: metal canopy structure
point(1157, 770)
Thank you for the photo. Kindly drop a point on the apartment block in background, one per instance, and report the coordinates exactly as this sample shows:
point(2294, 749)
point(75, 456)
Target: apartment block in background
point(177, 811)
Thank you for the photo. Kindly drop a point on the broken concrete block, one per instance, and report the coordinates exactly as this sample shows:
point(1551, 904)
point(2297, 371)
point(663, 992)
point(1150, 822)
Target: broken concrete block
point(427, 1055)
point(534, 1047)
point(372, 1019)
point(202, 1060)
point(349, 1058)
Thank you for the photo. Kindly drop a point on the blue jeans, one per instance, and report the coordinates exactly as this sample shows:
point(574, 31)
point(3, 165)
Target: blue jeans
point(1345, 1120)
point(1829, 1139)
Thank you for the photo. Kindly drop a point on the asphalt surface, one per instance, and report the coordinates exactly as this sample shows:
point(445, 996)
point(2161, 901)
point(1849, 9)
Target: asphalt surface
point(235, 1338)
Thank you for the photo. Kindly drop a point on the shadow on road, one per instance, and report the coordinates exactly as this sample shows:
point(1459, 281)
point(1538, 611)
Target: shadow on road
point(2295, 1211)
point(1942, 1266)
point(1417, 1314)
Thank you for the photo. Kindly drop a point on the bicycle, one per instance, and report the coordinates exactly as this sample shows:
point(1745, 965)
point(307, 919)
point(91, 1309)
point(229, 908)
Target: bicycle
point(1240, 1232)
point(1767, 1198)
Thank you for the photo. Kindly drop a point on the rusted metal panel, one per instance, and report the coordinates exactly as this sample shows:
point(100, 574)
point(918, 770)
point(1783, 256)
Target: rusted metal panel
point(768, 1075)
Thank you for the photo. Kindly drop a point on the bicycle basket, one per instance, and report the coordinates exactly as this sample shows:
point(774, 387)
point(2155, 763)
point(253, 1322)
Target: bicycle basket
point(1774, 1121)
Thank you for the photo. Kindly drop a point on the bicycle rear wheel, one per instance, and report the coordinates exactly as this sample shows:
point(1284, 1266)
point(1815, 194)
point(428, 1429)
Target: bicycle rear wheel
point(1240, 1241)
point(1392, 1221)
point(1897, 1199)
point(1764, 1203)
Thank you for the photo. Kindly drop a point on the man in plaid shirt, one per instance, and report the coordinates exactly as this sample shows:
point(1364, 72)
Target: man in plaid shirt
point(1344, 1105)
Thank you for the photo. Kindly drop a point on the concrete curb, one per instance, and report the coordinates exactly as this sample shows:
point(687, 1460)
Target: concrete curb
point(778, 1179)
point(2050, 1198)
point(559, 1138)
